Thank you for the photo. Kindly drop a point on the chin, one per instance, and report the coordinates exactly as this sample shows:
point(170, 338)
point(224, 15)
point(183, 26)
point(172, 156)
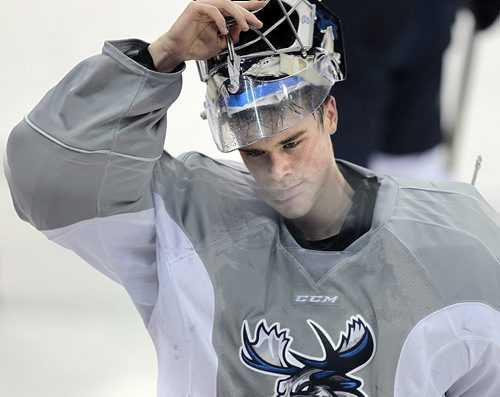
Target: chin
point(290, 211)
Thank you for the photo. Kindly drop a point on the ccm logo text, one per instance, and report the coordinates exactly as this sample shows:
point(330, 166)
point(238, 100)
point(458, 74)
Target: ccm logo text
point(315, 299)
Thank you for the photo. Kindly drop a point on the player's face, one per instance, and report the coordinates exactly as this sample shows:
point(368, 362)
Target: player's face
point(294, 170)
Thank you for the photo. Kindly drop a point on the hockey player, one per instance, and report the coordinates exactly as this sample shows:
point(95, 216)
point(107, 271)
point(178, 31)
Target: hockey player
point(296, 275)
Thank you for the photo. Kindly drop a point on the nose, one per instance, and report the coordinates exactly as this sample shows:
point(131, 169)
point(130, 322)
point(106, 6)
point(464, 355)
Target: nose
point(279, 166)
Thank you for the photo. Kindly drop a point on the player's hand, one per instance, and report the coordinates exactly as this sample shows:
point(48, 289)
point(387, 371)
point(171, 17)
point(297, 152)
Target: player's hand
point(199, 32)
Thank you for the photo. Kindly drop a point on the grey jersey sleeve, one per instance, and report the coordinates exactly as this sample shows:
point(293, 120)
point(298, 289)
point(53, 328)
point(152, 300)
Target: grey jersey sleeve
point(80, 165)
point(89, 147)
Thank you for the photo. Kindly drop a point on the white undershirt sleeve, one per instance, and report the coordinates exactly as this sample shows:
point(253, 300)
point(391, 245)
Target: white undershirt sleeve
point(454, 352)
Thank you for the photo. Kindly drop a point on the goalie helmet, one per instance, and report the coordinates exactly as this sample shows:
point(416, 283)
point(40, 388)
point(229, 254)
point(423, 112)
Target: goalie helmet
point(274, 77)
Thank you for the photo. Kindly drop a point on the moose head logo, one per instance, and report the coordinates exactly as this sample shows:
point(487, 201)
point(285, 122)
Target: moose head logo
point(269, 352)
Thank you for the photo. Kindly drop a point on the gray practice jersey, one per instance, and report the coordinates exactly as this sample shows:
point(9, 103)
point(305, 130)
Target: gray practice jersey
point(234, 306)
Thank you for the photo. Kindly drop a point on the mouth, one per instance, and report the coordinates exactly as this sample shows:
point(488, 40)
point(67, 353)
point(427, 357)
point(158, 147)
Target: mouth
point(284, 196)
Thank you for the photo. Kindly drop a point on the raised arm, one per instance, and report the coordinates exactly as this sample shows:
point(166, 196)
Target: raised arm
point(89, 147)
point(80, 165)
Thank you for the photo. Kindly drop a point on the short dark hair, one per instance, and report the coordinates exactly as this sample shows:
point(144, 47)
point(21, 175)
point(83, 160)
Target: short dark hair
point(319, 113)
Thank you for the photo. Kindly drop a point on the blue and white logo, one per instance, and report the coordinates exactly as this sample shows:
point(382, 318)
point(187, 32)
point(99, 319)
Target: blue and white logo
point(269, 352)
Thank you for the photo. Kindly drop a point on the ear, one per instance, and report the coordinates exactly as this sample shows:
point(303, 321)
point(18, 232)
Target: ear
point(330, 117)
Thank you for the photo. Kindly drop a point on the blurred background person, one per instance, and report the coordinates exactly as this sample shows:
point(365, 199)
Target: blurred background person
point(390, 118)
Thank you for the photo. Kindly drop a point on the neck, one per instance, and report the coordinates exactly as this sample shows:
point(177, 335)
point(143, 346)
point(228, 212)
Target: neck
point(326, 218)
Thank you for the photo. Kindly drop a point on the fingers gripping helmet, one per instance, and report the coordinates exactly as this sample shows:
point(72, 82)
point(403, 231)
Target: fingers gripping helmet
point(274, 77)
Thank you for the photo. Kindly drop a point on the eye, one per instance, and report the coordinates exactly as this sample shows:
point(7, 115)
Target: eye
point(253, 153)
point(302, 386)
point(291, 145)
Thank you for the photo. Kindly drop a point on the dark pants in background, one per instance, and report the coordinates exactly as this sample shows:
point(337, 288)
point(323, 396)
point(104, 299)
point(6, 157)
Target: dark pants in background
point(390, 100)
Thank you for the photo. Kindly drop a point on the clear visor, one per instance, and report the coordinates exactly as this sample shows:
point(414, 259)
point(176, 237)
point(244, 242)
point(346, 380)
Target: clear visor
point(262, 108)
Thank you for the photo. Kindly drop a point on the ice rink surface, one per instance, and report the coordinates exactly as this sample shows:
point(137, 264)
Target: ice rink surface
point(65, 330)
